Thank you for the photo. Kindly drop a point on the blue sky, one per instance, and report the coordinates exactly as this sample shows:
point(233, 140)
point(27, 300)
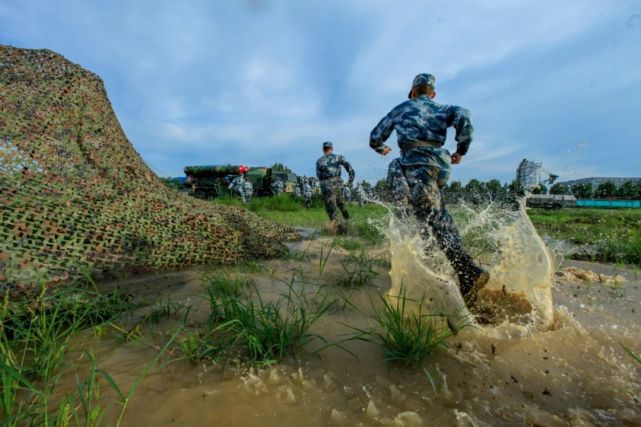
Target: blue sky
point(255, 82)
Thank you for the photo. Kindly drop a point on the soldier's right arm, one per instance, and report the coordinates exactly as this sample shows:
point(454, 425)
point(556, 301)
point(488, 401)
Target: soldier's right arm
point(318, 173)
point(381, 132)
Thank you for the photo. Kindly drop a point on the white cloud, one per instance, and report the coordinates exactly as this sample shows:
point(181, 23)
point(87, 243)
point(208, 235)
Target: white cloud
point(225, 81)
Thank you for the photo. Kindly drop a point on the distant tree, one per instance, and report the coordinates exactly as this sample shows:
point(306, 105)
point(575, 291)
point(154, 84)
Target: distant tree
point(175, 183)
point(560, 188)
point(279, 167)
point(511, 194)
point(540, 189)
point(628, 189)
point(474, 191)
point(605, 190)
point(516, 188)
point(453, 192)
point(494, 188)
point(582, 191)
point(380, 189)
point(366, 186)
point(455, 187)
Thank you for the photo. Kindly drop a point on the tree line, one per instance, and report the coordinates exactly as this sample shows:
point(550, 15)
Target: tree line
point(605, 190)
point(476, 191)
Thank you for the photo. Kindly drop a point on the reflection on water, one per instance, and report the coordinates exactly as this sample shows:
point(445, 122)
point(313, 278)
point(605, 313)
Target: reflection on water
point(563, 365)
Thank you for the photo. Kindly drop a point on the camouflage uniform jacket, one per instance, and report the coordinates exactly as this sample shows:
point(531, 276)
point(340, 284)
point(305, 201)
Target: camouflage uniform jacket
point(307, 190)
point(278, 187)
point(329, 167)
point(347, 193)
point(241, 187)
point(422, 119)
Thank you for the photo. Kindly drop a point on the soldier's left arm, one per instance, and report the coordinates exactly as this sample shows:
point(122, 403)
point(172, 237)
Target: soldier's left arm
point(459, 119)
point(349, 169)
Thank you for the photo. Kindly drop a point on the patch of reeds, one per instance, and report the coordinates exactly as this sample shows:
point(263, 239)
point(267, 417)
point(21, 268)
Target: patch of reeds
point(349, 244)
point(162, 310)
point(359, 269)
point(407, 335)
point(243, 324)
point(35, 335)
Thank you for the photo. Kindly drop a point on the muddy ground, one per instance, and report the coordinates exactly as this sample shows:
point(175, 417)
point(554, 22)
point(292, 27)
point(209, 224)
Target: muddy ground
point(575, 373)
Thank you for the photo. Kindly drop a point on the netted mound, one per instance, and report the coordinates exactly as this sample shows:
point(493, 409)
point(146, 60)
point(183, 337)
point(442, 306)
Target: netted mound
point(77, 198)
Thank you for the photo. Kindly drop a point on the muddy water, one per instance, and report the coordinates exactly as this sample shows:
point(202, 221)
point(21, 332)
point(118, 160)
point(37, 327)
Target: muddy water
point(518, 298)
point(573, 372)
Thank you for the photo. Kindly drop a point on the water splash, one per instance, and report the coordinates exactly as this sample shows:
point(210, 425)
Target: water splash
point(518, 298)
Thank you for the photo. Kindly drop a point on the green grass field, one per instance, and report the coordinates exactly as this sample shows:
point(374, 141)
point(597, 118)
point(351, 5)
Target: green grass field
point(612, 235)
point(290, 211)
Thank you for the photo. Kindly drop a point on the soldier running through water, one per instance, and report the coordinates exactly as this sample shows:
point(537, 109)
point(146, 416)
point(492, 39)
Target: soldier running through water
point(416, 178)
point(328, 171)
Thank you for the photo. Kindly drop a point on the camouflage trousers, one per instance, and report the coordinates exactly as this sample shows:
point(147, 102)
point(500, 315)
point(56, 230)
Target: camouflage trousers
point(416, 190)
point(332, 191)
point(308, 200)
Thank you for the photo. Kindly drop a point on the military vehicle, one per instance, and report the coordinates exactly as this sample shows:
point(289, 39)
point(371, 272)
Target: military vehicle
point(207, 182)
point(551, 201)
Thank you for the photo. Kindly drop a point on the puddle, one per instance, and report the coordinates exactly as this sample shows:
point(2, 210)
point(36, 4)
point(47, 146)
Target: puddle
point(566, 368)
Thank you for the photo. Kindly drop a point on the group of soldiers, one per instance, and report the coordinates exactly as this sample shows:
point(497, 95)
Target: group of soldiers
point(305, 189)
point(415, 178)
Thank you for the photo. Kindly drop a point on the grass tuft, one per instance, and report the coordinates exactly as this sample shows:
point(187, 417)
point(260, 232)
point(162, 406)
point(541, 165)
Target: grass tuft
point(358, 269)
point(35, 335)
point(243, 324)
point(406, 336)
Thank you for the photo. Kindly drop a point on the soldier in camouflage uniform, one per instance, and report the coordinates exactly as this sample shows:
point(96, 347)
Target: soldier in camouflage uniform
point(347, 194)
point(307, 193)
point(416, 178)
point(278, 186)
point(242, 188)
point(328, 171)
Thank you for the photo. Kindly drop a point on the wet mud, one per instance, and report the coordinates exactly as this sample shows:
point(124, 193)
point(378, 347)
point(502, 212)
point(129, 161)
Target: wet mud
point(543, 346)
point(572, 372)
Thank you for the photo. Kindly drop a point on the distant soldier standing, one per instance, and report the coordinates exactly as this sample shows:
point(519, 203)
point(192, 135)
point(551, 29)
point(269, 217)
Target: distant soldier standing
point(278, 186)
point(297, 190)
point(328, 171)
point(307, 193)
point(241, 187)
point(417, 177)
point(347, 194)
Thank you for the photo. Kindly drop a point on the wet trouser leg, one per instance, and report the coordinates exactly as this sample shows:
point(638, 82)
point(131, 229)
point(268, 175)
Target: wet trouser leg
point(340, 201)
point(329, 198)
point(429, 208)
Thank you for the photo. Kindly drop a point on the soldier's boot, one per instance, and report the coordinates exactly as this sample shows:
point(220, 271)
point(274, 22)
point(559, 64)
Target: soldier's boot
point(471, 282)
point(472, 278)
point(345, 214)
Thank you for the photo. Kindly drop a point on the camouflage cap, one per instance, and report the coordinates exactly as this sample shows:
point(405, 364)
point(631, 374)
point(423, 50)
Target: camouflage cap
point(327, 144)
point(422, 79)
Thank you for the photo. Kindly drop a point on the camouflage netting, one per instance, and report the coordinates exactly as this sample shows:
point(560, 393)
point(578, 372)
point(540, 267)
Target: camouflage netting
point(77, 198)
